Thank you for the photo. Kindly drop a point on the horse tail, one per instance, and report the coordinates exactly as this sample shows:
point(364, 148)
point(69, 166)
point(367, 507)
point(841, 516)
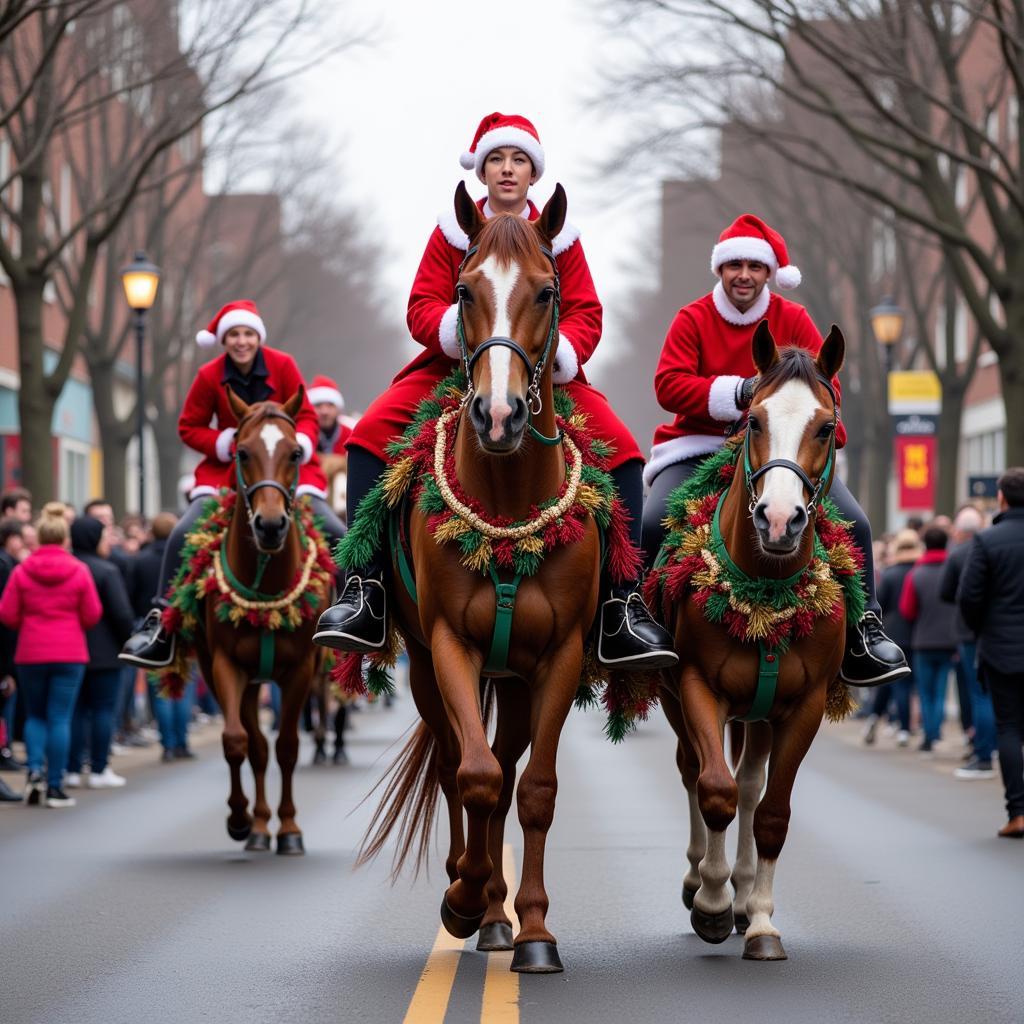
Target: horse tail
point(408, 804)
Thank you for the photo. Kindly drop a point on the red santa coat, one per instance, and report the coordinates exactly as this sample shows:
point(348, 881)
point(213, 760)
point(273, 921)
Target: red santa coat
point(706, 355)
point(432, 317)
point(207, 401)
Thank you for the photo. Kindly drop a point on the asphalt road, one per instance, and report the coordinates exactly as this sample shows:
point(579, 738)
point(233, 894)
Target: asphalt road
point(895, 900)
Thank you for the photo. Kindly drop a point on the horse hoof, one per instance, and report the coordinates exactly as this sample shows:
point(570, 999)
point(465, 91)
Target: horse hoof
point(536, 958)
point(239, 833)
point(258, 842)
point(742, 924)
point(713, 928)
point(494, 936)
point(457, 925)
point(688, 895)
point(290, 844)
point(320, 757)
point(764, 947)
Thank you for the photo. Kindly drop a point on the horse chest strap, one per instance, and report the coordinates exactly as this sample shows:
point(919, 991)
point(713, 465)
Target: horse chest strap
point(767, 683)
point(266, 665)
point(505, 606)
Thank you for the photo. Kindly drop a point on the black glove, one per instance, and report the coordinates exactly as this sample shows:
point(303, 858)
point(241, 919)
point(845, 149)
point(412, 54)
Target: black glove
point(745, 392)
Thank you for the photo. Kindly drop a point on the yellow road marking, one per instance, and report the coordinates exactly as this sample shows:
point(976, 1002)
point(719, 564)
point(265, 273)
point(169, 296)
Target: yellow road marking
point(430, 1000)
point(501, 986)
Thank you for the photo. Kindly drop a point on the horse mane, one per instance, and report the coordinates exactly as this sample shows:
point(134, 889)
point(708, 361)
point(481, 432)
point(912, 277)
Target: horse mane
point(794, 363)
point(509, 238)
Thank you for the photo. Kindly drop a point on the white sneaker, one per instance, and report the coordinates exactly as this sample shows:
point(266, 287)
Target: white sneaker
point(108, 779)
point(72, 780)
point(902, 738)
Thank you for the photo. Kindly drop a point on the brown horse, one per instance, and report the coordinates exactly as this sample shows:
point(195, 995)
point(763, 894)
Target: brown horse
point(507, 289)
point(262, 531)
point(767, 524)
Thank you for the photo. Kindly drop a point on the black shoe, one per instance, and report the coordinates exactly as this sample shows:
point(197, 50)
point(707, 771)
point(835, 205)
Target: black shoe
point(168, 755)
point(56, 797)
point(151, 646)
point(9, 763)
point(184, 754)
point(871, 657)
point(340, 757)
point(7, 795)
point(358, 622)
point(35, 787)
point(630, 638)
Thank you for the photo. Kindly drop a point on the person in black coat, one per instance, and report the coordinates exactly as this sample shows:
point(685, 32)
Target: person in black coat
point(98, 696)
point(991, 600)
point(10, 543)
point(145, 570)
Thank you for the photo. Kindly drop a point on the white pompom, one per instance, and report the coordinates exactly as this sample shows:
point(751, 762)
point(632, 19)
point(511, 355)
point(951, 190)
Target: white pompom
point(204, 339)
point(788, 277)
point(468, 160)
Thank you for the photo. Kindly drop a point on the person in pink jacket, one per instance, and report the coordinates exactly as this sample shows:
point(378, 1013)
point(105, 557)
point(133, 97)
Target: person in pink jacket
point(51, 600)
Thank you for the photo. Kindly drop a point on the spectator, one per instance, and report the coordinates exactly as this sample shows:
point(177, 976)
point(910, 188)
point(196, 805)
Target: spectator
point(146, 564)
point(932, 637)
point(51, 601)
point(101, 685)
point(967, 524)
point(31, 539)
point(101, 509)
point(16, 502)
point(906, 550)
point(10, 545)
point(991, 599)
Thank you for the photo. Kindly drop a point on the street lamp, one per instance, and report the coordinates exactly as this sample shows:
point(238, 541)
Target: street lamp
point(887, 323)
point(141, 280)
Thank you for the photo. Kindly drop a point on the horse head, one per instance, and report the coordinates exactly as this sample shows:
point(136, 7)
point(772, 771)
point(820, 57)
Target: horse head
point(790, 442)
point(267, 460)
point(508, 315)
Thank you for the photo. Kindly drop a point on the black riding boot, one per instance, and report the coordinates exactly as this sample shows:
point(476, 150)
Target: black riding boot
point(629, 637)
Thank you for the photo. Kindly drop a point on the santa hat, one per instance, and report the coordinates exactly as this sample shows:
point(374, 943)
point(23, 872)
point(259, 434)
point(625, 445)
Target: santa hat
point(325, 390)
point(497, 130)
point(242, 313)
point(749, 238)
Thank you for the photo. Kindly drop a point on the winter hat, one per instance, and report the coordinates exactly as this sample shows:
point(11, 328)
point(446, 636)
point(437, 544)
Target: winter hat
point(325, 390)
point(242, 313)
point(86, 534)
point(749, 238)
point(497, 130)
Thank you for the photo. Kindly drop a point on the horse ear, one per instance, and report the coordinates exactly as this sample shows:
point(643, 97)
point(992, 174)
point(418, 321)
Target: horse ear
point(467, 213)
point(552, 217)
point(294, 404)
point(763, 348)
point(238, 407)
point(833, 351)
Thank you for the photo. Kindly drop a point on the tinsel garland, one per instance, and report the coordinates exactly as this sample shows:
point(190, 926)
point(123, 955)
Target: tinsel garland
point(411, 471)
point(196, 581)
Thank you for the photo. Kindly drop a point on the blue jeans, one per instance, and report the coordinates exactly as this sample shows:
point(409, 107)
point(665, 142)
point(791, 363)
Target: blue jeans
point(96, 702)
point(898, 694)
point(981, 703)
point(173, 716)
point(931, 673)
point(50, 691)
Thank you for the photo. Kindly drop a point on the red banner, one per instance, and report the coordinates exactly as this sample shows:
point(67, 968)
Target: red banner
point(915, 472)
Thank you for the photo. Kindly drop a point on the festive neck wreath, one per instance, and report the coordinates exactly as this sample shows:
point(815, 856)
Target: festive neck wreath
point(204, 574)
point(422, 467)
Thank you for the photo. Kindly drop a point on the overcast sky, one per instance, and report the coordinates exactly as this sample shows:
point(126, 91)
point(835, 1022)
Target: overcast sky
point(402, 111)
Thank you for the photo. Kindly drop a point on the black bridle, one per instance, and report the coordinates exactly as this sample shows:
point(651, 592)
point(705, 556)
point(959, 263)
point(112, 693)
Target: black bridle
point(248, 490)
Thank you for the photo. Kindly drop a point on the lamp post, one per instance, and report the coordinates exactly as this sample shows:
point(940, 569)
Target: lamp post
point(141, 280)
point(887, 323)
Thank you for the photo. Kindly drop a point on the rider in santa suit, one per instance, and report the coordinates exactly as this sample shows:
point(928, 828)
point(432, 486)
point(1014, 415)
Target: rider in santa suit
point(255, 373)
point(706, 378)
point(507, 156)
point(328, 403)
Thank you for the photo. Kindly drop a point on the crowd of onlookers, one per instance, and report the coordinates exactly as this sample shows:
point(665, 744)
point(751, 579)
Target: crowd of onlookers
point(952, 596)
point(73, 585)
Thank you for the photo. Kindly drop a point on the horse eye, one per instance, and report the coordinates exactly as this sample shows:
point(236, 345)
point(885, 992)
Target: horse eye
point(546, 295)
point(296, 454)
point(754, 424)
point(463, 294)
point(243, 455)
point(826, 431)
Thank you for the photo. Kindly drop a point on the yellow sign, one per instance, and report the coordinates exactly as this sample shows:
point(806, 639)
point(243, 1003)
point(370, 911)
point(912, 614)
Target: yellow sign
point(915, 467)
point(915, 386)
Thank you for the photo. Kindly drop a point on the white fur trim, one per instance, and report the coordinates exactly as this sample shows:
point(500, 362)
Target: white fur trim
point(307, 447)
point(506, 136)
point(198, 492)
point(567, 362)
point(565, 239)
point(722, 399)
point(468, 160)
point(241, 318)
point(746, 248)
point(455, 236)
point(309, 489)
point(447, 332)
point(223, 445)
point(678, 448)
point(204, 339)
point(730, 314)
point(788, 276)
point(453, 233)
point(332, 395)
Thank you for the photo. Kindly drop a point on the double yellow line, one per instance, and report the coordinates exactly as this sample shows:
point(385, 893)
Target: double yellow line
point(500, 1003)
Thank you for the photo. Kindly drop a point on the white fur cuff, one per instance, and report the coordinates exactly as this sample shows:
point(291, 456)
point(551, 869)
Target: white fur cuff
point(567, 363)
point(223, 446)
point(447, 333)
point(722, 399)
point(307, 448)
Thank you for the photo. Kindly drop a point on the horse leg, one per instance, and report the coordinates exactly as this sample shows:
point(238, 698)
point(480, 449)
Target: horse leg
point(230, 683)
point(712, 915)
point(259, 837)
point(511, 738)
point(318, 704)
point(792, 738)
point(689, 769)
point(750, 780)
point(478, 779)
point(294, 689)
point(536, 949)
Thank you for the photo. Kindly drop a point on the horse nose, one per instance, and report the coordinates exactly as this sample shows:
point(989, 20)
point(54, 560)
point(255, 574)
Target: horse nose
point(798, 521)
point(777, 523)
point(480, 413)
point(517, 421)
point(270, 528)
